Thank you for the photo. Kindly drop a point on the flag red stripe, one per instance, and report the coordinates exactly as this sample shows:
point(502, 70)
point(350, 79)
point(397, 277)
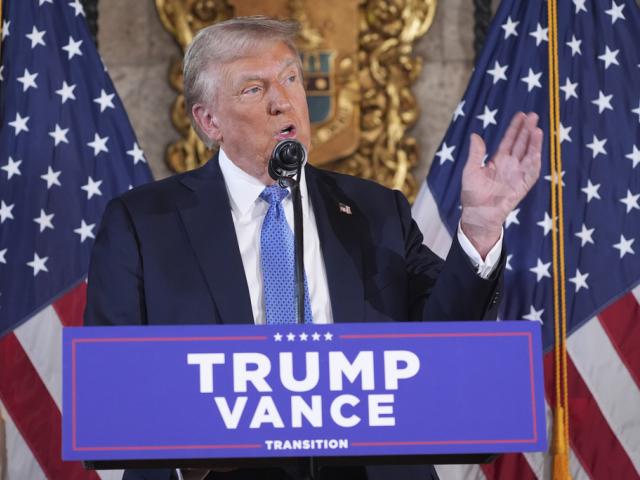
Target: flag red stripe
point(34, 412)
point(594, 443)
point(70, 307)
point(511, 465)
point(621, 322)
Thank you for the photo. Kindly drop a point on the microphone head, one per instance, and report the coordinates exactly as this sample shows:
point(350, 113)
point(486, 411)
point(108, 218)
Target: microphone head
point(287, 158)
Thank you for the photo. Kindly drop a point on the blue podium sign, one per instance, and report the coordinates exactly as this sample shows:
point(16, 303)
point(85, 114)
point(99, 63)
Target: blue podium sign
point(357, 389)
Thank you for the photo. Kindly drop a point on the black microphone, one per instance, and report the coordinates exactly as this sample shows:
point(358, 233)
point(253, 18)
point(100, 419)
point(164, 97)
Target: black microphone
point(287, 159)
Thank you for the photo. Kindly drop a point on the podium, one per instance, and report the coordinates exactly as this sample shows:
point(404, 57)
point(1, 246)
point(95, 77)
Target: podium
point(318, 395)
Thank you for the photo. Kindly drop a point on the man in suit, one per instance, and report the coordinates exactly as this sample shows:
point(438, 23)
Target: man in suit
point(197, 247)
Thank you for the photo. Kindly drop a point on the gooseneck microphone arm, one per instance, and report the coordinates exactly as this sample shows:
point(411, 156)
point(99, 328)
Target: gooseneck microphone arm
point(285, 165)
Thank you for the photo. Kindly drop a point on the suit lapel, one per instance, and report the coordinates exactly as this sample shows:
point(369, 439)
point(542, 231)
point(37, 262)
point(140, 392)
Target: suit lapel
point(207, 220)
point(338, 223)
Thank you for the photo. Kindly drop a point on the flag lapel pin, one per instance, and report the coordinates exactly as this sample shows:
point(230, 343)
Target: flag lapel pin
point(346, 209)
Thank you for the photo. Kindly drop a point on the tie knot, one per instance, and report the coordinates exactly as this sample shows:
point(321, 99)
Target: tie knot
point(274, 194)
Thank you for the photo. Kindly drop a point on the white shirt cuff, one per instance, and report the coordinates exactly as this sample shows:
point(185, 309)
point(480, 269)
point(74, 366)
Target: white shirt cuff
point(485, 267)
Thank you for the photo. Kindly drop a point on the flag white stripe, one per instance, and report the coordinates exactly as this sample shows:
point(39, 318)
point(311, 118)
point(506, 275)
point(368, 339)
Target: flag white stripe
point(21, 463)
point(425, 213)
point(636, 293)
point(41, 339)
point(610, 383)
point(460, 472)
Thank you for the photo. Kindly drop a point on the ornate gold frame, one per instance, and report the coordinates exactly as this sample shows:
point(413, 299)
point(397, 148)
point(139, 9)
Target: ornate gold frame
point(387, 68)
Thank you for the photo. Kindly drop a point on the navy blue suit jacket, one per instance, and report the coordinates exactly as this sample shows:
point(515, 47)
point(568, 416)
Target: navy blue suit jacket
point(166, 253)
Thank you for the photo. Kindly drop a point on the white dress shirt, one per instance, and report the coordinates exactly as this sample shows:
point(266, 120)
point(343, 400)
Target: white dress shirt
point(248, 211)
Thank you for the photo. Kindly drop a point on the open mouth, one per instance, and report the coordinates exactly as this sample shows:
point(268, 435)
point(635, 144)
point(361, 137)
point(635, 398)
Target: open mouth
point(289, 131)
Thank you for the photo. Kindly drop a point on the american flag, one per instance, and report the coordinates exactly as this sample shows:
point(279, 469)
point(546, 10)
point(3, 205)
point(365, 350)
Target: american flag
point(599, 76)
point(66, 148)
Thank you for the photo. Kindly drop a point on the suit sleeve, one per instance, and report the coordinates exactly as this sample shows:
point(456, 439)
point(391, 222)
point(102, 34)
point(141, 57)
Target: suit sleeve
point(449, 290)
point(115, 291)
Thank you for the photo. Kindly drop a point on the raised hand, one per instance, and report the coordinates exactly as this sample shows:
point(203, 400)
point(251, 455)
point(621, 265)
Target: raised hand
point(491, 192)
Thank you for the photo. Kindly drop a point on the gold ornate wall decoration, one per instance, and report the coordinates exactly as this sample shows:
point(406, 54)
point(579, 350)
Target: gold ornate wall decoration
point(359, 68)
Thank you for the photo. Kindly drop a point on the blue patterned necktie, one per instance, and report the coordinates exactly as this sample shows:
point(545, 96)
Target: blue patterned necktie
point(278, 262)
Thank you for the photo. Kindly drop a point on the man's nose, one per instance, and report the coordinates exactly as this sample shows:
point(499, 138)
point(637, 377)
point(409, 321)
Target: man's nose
point(279, 101)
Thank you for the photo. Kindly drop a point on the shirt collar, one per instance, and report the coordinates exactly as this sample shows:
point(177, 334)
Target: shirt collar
point(245, 189)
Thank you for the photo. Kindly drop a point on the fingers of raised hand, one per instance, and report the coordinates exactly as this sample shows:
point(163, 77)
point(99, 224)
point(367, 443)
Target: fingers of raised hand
point(506, 144)
point(477, 151)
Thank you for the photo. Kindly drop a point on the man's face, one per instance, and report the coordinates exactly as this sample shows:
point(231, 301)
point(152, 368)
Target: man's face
point(260, 100)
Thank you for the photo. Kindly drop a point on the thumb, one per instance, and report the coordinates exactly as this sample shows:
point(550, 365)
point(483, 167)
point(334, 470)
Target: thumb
point(477, 150)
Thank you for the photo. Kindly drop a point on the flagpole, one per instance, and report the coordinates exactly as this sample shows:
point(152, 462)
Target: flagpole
point(561, 418)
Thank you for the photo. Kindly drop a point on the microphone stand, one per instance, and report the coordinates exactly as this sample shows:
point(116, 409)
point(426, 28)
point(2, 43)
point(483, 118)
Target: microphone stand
point(299, 245)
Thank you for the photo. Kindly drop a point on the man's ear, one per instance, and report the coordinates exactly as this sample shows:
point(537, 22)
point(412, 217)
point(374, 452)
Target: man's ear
point(206, 121)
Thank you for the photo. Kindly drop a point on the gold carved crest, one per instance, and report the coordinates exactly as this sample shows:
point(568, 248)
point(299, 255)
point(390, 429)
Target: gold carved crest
point(358, 69)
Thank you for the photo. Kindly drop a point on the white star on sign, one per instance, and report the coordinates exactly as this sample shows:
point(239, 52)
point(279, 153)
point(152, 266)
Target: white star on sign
point(315, 336)
point(38, 264)
point(512, 218)
point(509, 28)
point(66, 92)
point(2, 255)
point(291, 337)
point(637, 111)
point(12, 168)
point(532, 80)
point(603, 102)
point(534, 315)
point(541, 270)
point(99, 144)
point(459, 112)
point(634, 156)
point(615, 12)
point(580, 280)
point(20, 124)
point(92, 187)
point(137, 154)
point(328, 336)
point(42, 2)
point(564, 133)
point(445, 152)
point(546, 223)
point(631, 201)
point(303, 337)
point(5, 211)
point(85, 231)
point(597, 146)
point(1, 70)
point(28, 80)
point(105, 101)
point(569, 89)
point(624, 246)
point(579, 4)
point(59, 135)
point(44, 220)
point(591, 191)
point(585, 235)
point(609, 57)
point(574, 45)
point(5, 28)
point(278, 337)
point(72, 48)
point(51, 177)
point(488, 117)
point(541, 34)
point(498, 72)
point(36, 37)
point(77, 6)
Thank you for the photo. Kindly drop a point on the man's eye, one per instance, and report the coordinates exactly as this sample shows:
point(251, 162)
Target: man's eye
point(251, 90)
point(292, 78)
